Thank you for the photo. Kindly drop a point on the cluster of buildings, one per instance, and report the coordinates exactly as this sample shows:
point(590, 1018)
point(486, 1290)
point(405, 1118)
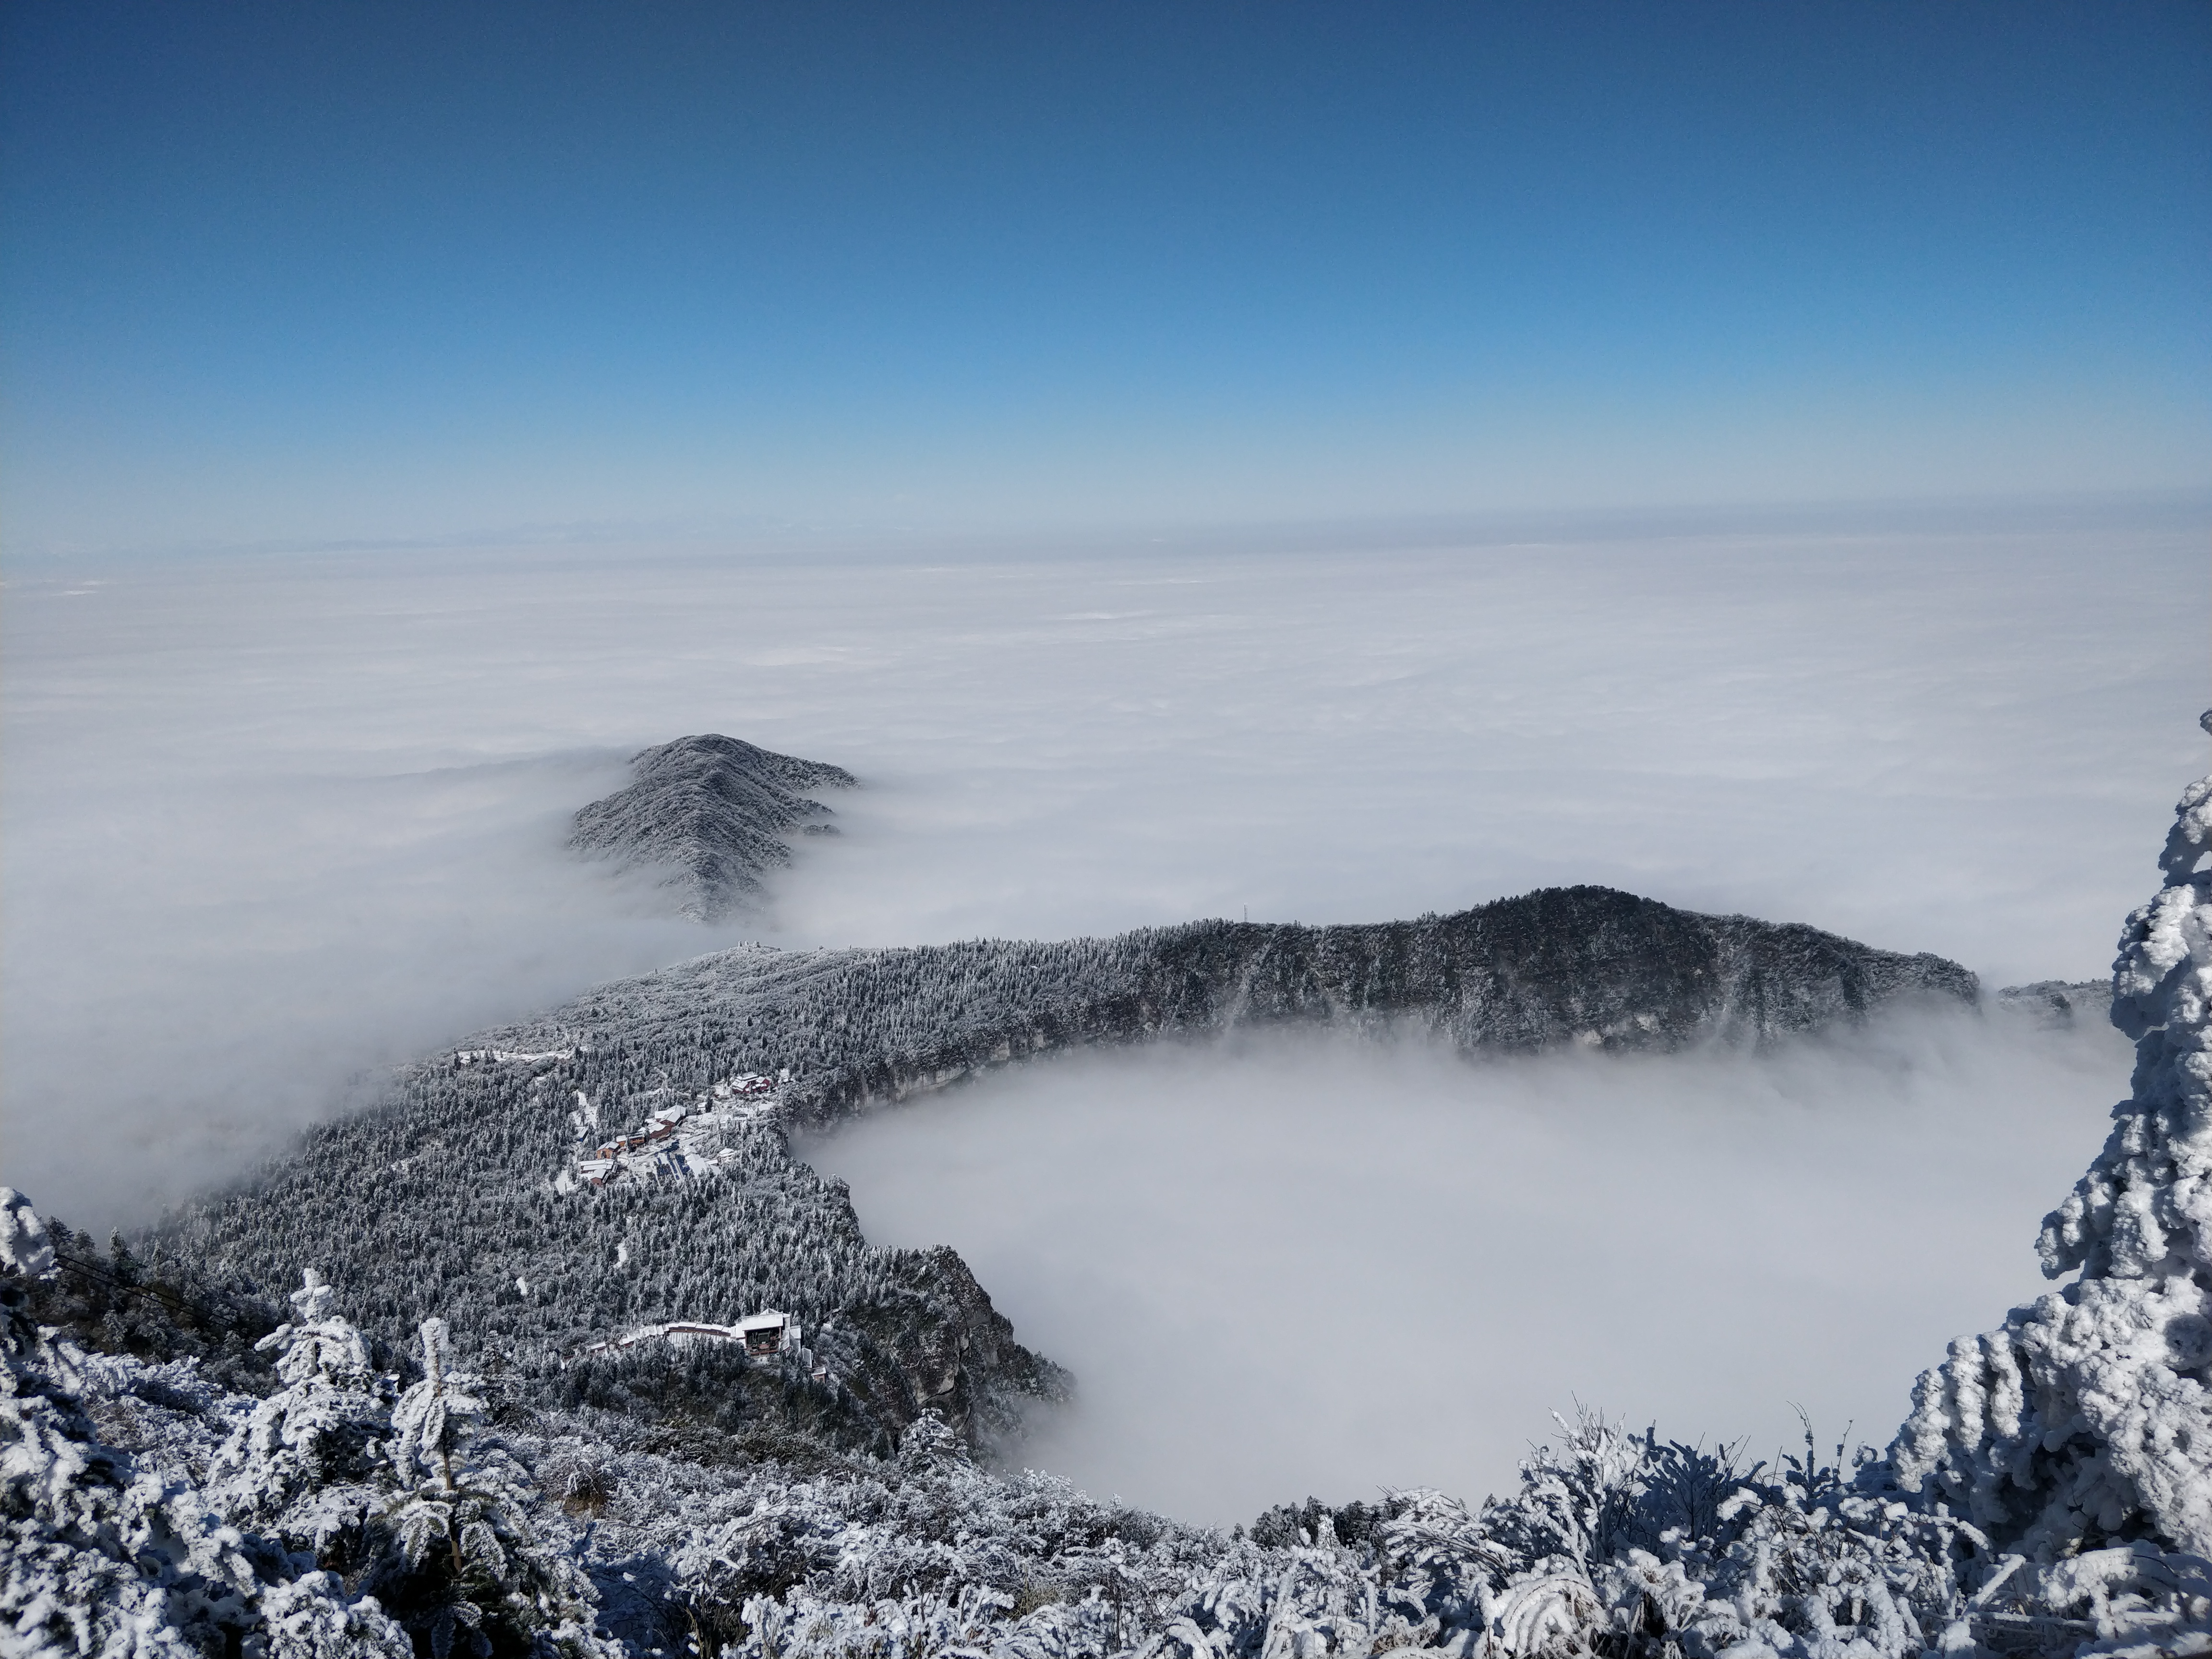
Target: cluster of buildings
point(767, 1334)
point(646, 1150)
point(660, 1149)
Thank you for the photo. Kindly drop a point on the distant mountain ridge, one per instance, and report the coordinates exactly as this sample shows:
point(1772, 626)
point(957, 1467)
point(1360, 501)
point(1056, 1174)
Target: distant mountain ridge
point(1590, 966)
point(713, 810)
point(2059, 1002)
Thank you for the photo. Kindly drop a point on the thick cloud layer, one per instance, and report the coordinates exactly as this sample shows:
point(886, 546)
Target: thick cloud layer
point(265, 824)
point(1299, 1266)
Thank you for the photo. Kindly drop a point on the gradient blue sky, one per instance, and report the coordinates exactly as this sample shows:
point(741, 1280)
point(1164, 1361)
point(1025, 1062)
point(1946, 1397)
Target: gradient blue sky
point(281, 272)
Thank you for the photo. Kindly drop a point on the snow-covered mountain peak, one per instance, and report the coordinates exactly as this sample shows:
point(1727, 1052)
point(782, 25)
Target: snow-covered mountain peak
point(714, 812)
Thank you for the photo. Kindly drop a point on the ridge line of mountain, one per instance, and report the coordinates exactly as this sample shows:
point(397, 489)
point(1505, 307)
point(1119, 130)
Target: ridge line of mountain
point(1586, 965)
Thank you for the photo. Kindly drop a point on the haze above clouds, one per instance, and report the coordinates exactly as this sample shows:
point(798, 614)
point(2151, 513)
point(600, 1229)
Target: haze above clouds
point(268, 824)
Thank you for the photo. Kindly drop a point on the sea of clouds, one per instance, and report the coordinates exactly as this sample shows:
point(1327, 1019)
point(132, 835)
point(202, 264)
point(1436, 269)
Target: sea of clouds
point(1290, 1266)
point(270, 824)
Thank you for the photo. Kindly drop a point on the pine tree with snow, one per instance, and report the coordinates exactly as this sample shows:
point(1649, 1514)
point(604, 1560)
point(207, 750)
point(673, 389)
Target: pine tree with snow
point(26, 1252)
point(302, 1463)
point(2086, 1420)
point(72, 1516)
point(436, 1416)
point(471, 1574)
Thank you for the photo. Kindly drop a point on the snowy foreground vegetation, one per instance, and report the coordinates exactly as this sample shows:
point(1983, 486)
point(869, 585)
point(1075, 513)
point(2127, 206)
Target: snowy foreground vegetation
point(188, 1469)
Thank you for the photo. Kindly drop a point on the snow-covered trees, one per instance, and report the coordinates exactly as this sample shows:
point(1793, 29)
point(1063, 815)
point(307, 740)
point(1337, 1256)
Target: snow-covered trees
point(2085, 1420)
point(26, 1251)
point(2048, 1495)
point(456, 1188)
point(472, 1574)
point(2050, 1492)
point(295, 1527)
point(302, 1463)
point(97, 1556)
point(135, 1297)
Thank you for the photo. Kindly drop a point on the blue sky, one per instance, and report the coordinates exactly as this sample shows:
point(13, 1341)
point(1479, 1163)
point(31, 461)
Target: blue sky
point(276, 273)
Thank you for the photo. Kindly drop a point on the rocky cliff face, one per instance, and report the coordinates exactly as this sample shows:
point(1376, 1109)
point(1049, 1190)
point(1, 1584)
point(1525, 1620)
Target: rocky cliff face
point(953, 1354)
point(715, 813)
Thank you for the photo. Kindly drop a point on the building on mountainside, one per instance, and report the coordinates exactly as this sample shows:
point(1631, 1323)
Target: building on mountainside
point(747, 1084)
point(673, 1144)
point(767, 1334)
point(539, 1057)
point(658, 1127)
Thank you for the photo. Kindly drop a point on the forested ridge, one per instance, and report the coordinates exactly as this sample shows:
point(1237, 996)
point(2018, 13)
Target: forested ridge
point(712, 813)
point(449, 1198)
point(1578, 964)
